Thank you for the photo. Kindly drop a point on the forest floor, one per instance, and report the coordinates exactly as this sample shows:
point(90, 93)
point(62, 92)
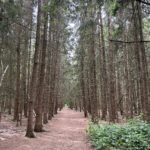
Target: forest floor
point(66, 131)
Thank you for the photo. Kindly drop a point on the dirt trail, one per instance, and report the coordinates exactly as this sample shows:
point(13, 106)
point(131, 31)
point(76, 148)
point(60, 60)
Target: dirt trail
point(66, 131)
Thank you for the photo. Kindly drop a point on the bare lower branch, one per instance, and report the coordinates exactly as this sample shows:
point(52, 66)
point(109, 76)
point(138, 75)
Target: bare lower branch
point(144, 2)
point(2, 77)
point(128, 42)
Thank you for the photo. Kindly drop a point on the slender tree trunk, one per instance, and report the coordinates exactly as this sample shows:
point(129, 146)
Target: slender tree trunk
point(83, 83)
point(17, 99)
point(10, 86)
point(103, 71)
point(112, 100)
point(24, 77)
point(92, 75)
point(45, 104)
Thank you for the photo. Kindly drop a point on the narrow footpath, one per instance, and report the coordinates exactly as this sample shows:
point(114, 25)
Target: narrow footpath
point(66, 131)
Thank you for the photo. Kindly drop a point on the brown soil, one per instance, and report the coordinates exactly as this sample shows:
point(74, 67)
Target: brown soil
point(66, 131)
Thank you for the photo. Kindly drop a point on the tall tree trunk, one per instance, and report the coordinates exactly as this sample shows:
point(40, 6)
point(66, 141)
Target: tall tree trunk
point(17, 99)
point(112, 99)
point(24, 77)
point(39, 97)
point(10, 82)
point(103, 71)
point(92, 74)
point(83, 82)
point(29, 132)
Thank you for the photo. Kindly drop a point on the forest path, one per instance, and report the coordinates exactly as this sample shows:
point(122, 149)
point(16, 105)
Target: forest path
point(66, 131)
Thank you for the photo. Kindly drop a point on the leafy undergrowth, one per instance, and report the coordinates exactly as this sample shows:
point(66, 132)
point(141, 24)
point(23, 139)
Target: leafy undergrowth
point(134, 135)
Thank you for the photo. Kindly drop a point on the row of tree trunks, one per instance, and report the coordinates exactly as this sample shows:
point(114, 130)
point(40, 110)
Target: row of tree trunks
point(142, 60)
point(46, 70)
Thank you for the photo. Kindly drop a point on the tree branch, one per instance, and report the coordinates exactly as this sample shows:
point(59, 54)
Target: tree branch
point(2, 77)
point(141, 1)
point(128, 42)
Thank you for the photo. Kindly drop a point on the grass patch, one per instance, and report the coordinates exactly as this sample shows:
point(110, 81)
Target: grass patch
point(134, 135)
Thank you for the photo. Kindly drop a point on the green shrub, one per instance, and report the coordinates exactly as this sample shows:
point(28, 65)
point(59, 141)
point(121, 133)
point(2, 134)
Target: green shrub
point(134, 135)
